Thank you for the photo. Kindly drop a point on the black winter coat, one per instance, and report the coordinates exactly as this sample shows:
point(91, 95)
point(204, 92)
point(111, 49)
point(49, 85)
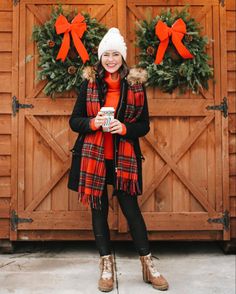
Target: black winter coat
point(80, 123)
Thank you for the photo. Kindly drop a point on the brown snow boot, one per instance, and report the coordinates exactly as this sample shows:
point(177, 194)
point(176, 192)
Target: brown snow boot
point(106, 281)
point(151, 275)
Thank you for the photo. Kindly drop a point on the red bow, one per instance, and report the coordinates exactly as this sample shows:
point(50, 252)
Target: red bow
point(77, 28)
point(177, 32)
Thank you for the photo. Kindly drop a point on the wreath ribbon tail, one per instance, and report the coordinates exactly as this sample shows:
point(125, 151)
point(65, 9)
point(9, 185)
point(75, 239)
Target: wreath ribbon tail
point(161, 51)
point(183, 51)
point(64, 47)
point(80, 47)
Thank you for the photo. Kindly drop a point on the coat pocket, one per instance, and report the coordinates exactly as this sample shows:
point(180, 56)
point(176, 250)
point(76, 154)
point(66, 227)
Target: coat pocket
point(77, 149)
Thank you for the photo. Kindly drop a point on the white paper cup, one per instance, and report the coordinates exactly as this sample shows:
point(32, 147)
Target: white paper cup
point(109, 116)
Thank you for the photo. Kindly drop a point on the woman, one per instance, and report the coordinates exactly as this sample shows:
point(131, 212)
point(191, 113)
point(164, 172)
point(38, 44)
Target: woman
point(101, 158)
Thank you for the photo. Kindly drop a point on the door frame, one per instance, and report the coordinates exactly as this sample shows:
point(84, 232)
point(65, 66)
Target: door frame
point(122, 24)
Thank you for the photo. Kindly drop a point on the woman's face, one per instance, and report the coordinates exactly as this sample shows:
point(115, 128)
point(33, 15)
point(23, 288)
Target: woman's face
point(111, 61)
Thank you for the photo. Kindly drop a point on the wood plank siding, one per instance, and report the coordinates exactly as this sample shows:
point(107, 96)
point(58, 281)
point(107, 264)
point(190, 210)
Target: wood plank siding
point(6, 29)
point(231, 93)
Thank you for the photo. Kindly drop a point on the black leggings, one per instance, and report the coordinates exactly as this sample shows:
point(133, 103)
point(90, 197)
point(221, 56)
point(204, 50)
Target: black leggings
point(130, 208)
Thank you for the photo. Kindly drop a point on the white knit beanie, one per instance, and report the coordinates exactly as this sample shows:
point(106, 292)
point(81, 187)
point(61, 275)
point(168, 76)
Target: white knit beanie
point(112, 41)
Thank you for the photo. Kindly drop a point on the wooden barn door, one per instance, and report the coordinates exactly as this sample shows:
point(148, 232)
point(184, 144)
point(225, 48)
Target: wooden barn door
point(185, 150)
point(44, 139)
point(184, 156)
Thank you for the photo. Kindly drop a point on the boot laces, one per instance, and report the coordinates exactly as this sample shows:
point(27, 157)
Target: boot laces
point(152, 267)
point(106, 268)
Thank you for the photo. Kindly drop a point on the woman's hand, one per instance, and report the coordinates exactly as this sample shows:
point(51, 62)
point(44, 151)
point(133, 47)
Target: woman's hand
point(115, 127)
point(99, 120)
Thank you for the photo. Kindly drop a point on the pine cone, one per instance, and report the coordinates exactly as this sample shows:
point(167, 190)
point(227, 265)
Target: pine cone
point(150, 50)
point(94, 50)
point(71, 70)
point(188, 38)
point(51, 43)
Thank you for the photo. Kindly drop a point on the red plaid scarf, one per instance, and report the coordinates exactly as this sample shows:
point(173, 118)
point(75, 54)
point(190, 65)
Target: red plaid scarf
point(93, 170)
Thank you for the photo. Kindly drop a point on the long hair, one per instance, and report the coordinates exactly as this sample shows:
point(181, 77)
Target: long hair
point(123, 70)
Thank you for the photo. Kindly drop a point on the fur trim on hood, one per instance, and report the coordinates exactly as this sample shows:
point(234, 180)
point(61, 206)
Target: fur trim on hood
point(89, 74)
point(136, 75)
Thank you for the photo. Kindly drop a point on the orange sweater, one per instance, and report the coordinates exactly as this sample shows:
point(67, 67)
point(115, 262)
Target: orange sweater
point(112, 100)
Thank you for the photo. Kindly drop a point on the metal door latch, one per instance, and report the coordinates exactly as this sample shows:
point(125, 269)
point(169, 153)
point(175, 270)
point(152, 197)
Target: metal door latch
point(15, 220)
point(222, 107)
point(16, 105)
point(224, 220)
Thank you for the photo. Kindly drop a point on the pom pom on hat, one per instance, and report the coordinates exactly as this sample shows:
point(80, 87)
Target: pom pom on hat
point(112, 41)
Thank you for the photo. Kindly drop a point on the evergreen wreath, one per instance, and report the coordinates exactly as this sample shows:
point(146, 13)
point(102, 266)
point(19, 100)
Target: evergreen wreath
point(174, 71)
point(65, 75)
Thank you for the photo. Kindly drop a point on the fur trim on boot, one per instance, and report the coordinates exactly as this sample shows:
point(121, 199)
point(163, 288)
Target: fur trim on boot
point(151, 275)
point(106, 281)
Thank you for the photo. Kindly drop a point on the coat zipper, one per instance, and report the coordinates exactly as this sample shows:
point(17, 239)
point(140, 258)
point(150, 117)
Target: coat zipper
point(117, 115)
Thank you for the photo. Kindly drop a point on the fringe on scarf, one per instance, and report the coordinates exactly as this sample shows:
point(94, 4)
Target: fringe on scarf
point(90, 200)
point(129, 186)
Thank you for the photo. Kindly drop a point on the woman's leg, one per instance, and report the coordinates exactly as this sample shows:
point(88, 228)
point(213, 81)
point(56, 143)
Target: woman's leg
point(130, 208)
point(102, 238)
point(100, 226)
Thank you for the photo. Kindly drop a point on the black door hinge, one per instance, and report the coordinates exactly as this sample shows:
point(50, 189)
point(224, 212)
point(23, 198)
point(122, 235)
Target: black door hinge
point(15, 220)
point(16, 105)
point(15, 2)
point(224, 220)
point(222, 3)
point(222, 107)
